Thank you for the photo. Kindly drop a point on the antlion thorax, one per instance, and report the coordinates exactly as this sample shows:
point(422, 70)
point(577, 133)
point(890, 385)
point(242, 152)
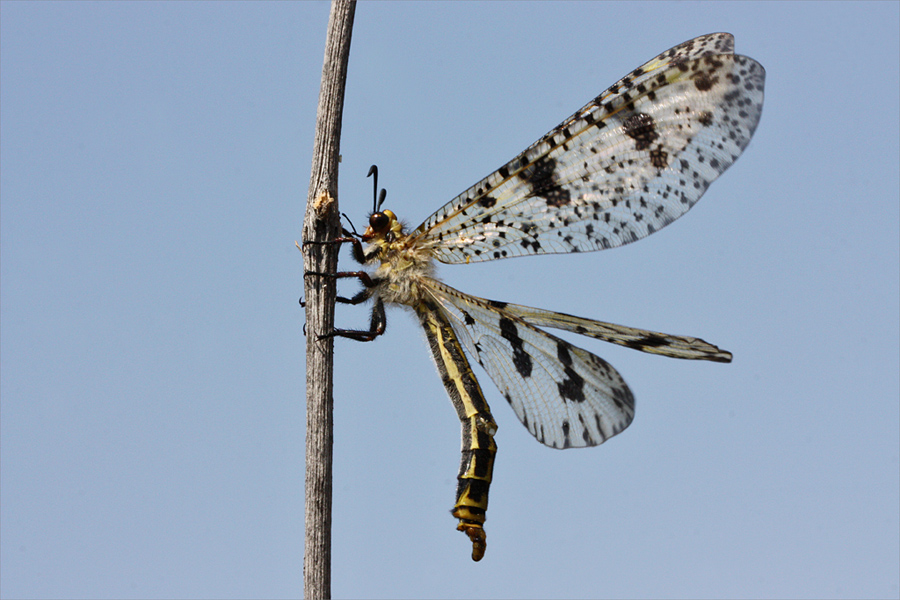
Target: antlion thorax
point(404, 260)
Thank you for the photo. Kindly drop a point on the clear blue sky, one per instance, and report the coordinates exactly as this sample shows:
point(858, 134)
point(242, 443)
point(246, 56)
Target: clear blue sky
point(155, 162)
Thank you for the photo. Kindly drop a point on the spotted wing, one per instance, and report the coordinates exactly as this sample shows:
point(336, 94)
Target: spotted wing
point(653, 342)
point(565, 396)
point(630, 162)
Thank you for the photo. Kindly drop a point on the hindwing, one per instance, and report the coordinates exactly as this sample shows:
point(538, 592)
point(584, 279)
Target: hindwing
point(565, 396)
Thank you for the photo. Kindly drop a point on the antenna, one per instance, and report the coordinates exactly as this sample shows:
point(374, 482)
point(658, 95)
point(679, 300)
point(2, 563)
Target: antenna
point(377, 199)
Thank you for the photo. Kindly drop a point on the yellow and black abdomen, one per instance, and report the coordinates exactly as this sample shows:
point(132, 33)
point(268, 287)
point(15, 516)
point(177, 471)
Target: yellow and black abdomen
point(478, 426)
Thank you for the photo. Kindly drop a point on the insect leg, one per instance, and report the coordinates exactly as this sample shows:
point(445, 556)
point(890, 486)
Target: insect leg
point(376, 325)
point(364, 278)
point(358, 252)
point(378, 320)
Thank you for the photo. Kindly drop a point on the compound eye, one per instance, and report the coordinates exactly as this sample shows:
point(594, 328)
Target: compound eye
point(379, 221)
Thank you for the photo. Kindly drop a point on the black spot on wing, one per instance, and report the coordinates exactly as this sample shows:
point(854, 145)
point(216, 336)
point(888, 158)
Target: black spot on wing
point(652, 341)
point(521, 359)
point(642, 129)
point(535, 245)
point(623, 398)
point(487, 201)
point(572, 386)
point(703, 82)
point(586, 433)
point(542, 179)
point(659, 158)
point(567, 443)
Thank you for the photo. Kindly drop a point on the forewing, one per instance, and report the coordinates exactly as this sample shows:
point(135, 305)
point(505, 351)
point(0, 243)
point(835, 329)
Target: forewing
point(630, 162)
point(654, 342)
point(565, 396)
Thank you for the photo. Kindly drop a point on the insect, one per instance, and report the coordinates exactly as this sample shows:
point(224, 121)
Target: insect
point(630, 162)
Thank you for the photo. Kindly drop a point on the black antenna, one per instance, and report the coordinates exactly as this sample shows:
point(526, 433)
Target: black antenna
point(378, 199)
point(373, 170)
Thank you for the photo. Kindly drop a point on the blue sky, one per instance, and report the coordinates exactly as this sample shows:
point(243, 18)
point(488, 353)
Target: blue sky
point(155, 161)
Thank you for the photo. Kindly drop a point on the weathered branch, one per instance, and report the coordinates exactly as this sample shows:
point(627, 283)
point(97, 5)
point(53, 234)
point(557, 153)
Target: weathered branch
point(321, 224)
